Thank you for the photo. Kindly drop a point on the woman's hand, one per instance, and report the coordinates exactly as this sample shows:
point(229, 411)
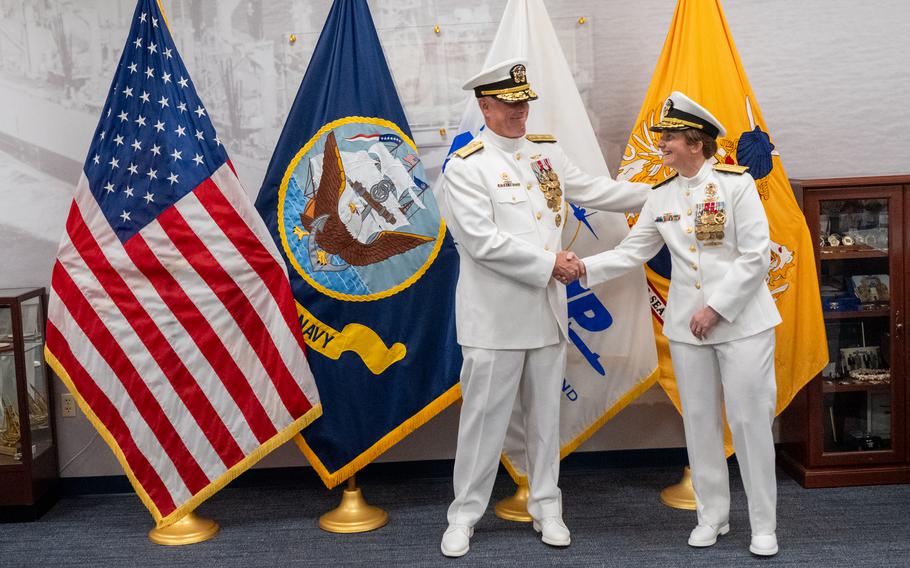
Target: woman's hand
point(702, 322)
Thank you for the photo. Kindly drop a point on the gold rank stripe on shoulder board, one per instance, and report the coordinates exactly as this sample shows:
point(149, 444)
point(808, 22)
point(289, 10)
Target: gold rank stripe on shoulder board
point(731, 168)
point(469, 149)
point(660, 183)
point(541, 138)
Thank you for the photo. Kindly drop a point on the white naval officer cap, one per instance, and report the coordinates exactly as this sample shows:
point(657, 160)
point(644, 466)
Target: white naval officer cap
point(506, 81)
point(681, 112)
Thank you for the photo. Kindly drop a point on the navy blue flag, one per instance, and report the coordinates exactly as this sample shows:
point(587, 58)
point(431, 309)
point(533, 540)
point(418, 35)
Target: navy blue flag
point(371, 264)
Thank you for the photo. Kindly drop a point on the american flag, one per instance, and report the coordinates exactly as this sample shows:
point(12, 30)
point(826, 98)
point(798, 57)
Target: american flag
point(171, 316)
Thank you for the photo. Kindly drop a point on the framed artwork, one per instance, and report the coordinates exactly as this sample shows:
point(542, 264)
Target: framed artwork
point(859, 358)
point(871, 288)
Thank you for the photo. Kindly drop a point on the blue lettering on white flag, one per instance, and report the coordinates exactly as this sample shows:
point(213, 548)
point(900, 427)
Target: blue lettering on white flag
point(587, 311)
point(569, 391)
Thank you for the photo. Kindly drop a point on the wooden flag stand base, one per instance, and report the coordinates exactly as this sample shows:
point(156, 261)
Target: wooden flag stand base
point(188, 530)
point(680, 495)
point(353, 515)
point(515, 508)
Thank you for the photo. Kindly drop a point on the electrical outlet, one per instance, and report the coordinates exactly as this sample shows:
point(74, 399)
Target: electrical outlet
point(69, 405)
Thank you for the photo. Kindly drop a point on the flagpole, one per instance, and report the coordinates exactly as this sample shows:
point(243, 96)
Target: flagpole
point(188, 530)
point(354, 514)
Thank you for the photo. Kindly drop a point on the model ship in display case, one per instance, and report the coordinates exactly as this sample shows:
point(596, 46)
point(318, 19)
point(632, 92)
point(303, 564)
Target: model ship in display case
point(10, 435)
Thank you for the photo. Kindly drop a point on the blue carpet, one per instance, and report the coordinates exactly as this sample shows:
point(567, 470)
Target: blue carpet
point(614, 515)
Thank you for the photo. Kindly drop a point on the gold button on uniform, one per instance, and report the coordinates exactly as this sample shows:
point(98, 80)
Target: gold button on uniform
point(547, 247)
point(688, 229)
point(538, 215)
point(698, 285)
point(688, 211)
point(528, 186)
point(517, 155)
point(692, 248)
point(694, 266)
point(687, 194)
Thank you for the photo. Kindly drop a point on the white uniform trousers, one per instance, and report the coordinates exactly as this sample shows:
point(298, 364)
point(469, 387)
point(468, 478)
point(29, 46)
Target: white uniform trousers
point(490, 381)
point(740, 375)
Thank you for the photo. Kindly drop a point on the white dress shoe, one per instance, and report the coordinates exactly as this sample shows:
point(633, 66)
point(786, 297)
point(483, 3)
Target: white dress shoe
point(706, 535)
point(553, 531)
point(456, 540)
point(763, 545)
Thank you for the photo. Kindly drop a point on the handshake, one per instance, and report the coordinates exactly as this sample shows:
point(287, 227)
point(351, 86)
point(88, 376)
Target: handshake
point(568, 267)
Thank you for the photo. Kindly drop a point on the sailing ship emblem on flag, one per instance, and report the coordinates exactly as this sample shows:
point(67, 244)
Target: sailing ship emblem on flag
point(352, 215)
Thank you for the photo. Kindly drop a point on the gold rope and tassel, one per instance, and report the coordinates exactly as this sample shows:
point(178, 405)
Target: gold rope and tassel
point(680, 495)
point(354, 514)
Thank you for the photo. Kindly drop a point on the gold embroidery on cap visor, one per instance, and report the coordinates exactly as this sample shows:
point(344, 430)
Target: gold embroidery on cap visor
point(512, 94)
point(674, 124)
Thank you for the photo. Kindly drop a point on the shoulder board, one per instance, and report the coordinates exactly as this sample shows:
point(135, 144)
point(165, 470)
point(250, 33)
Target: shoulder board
point(656, 185)
point(731, 168)
point(541, 138)
point(469, 149)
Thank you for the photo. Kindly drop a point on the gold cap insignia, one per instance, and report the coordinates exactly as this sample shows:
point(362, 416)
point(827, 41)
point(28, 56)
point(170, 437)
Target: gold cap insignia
point(519, 74)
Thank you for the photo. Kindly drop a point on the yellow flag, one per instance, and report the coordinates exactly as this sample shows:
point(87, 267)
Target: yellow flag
point(700, 60)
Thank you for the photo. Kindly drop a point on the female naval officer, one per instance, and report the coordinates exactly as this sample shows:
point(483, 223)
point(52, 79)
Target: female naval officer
point(720, 315)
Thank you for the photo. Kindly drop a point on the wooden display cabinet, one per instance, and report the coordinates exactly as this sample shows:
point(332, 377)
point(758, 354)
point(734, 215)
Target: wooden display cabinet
point(849, 425)
point(28, 450)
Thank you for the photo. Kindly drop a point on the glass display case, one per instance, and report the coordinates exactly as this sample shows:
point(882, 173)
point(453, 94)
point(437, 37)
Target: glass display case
point(855, 283)
point(848, 426)
point(28, 455)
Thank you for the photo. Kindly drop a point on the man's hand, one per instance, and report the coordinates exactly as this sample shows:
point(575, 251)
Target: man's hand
point(702, 322)
point(568, 267)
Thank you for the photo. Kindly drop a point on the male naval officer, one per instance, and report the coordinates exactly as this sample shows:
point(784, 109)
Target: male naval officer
point(720, 315)
point(506, 195)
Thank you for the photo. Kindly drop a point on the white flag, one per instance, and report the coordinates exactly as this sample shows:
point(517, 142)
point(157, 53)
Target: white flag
point(612, 356)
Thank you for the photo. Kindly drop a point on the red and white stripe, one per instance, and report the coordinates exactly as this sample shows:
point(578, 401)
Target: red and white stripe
point(184, 340)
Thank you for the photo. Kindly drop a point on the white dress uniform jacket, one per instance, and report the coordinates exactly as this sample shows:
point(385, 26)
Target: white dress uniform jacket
point(728, 274)
point(508, 236)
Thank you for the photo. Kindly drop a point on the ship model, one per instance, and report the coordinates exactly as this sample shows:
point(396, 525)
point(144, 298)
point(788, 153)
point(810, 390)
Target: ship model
point(10, 434)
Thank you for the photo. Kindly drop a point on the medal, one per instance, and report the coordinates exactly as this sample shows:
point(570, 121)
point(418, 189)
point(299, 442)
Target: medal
point(710, 218)
point(549, 185)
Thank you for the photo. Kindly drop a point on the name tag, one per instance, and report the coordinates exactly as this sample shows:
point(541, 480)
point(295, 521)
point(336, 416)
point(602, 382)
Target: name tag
point(506, 183)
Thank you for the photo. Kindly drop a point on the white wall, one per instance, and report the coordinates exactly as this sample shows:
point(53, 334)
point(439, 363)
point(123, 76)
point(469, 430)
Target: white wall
point(831, 78)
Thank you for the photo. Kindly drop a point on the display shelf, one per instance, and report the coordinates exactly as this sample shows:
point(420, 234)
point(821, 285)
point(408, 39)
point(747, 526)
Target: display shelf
point(837, 430)
point(852, 254)
point(853, 386)
point(883, 313)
